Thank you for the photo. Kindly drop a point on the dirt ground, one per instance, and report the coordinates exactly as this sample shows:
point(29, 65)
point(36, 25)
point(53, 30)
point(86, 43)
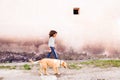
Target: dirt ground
point(86, 73)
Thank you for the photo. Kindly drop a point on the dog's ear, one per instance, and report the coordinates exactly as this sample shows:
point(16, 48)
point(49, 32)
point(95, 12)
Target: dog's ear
point(64, 64)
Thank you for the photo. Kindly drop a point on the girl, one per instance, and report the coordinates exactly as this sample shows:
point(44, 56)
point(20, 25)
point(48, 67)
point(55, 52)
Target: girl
point(51, 44)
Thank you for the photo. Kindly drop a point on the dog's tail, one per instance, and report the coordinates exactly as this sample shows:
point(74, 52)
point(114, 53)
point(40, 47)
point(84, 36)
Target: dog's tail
point(36, 62)
point(33, 62)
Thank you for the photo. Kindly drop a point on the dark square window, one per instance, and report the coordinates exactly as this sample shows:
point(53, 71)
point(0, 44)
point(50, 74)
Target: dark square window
point(76, 11)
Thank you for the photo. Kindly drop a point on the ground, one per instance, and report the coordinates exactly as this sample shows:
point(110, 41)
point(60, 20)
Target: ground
point(86, 73)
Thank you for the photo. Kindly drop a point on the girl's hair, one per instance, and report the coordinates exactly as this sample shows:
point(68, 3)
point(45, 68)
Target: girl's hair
point(52, 32)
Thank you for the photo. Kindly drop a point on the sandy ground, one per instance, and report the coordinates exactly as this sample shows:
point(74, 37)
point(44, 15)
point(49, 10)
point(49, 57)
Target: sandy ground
point(86, 73)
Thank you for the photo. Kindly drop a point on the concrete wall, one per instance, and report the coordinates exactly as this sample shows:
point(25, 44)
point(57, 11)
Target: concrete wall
point(98, 21)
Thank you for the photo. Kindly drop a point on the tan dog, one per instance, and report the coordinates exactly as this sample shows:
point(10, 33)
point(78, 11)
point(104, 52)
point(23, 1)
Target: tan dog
point(47, 62)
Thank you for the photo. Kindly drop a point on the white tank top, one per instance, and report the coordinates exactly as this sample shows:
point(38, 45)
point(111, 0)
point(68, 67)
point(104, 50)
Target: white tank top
point(51, 42)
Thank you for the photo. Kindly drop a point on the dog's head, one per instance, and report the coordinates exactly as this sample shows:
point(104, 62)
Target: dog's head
point(64, 64)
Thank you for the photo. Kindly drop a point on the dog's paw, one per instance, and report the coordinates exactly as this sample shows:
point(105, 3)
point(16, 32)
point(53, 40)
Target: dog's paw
point(57, 73)
point(46, 73)
point(40, 74)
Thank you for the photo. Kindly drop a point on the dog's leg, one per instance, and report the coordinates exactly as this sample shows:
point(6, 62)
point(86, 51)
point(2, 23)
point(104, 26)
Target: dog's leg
point(40, 71)
point(56, 70)
point(44, 66)
point(45, 71)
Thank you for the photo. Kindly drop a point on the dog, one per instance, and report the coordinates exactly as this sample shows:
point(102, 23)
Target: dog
point(47, 62)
